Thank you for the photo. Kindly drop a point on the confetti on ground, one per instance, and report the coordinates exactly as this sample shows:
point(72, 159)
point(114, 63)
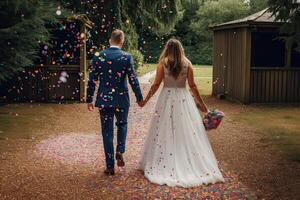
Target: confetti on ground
point(70, 165)
point(83, 154)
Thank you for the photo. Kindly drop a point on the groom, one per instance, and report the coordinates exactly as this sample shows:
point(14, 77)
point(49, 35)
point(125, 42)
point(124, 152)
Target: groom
point(111, 67)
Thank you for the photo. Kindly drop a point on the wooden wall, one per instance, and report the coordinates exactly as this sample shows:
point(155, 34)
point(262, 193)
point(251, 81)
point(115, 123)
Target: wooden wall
point(43, 84)
point(275, 85)
point(219, 50)
point(231, 63)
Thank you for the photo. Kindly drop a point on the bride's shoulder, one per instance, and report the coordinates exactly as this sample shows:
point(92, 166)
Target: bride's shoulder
point(187, 60)
point(162, 63)
point(188, 63)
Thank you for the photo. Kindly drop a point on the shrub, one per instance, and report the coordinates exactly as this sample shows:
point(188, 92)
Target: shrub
point(200, 53)
point(138, 58)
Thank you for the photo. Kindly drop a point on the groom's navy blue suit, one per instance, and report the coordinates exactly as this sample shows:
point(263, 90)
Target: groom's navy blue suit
point(112, 67)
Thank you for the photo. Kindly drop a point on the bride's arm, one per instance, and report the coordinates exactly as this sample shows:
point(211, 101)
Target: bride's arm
point(194, 89)
point(158, 79)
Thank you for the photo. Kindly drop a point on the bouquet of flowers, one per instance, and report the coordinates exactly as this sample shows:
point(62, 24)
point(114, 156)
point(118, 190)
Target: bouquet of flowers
point(212, 119)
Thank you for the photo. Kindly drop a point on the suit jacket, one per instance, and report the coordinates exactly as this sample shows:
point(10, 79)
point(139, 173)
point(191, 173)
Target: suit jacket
point(112, 67)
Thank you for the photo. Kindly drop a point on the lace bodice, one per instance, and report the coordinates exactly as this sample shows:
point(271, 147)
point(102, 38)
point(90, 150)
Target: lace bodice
point(171, 82)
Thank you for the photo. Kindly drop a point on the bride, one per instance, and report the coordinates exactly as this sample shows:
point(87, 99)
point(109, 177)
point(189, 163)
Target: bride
point(177, 151)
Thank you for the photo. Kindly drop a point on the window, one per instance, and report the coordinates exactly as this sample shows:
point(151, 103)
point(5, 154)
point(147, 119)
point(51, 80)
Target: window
point(267, 50)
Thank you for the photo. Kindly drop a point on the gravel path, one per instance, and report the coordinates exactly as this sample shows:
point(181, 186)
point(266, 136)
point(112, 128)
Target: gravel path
point(145, 79)
point(67, 162)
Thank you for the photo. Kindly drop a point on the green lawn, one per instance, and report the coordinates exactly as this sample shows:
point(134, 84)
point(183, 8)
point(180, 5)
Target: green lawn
point(202, 71)
point(145, 69)
point(203, 78)
point(277, 125)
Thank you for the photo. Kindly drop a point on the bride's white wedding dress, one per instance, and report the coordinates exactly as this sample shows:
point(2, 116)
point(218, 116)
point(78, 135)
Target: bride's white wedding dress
point(177, 151)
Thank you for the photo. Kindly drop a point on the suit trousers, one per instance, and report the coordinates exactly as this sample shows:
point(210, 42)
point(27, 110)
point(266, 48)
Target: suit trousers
point(107, 128)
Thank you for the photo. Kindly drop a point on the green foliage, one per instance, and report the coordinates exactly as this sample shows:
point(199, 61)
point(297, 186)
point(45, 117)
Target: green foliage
point(131, 36)
point(257, 5)
point(189, 38)
point(160, 15)
point(200, 53)
point(157, 15)
point(138, 58)
point(151, 46)
point(209, 14)
point(288, 11)
point(132, 16)
point(22, 31)
point(216, 12)
point(192, 29)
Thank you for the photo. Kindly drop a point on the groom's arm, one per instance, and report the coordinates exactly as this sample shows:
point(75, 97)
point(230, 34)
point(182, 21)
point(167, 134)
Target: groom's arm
point(133, 80)
point(93, 77)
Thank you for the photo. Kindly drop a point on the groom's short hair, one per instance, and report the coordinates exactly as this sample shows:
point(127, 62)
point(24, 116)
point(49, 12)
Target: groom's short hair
point(117, 36)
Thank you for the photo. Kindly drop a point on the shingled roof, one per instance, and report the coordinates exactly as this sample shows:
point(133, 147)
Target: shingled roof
point(264, 17)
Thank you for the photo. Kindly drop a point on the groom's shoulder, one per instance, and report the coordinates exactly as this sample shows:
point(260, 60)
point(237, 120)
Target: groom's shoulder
point(126, 54)
point(107, 53)
point(98, 55)
point(123, 55)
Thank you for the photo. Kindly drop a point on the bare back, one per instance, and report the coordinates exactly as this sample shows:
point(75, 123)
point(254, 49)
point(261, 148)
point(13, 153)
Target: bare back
point(171, 82)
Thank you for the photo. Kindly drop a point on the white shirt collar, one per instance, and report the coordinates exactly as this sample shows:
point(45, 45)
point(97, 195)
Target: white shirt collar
point(114, 46)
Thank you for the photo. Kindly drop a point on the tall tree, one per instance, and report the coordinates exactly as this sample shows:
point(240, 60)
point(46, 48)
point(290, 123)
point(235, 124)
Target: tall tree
point(257, 5)
point(132, 16)
point(288, 11)
point(157, 15)
point(151, 43)
point(209, 14)
point(22, 31)
point(187, 35)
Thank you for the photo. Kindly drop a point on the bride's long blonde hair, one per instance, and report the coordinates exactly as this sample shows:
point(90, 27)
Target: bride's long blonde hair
point(173, 57)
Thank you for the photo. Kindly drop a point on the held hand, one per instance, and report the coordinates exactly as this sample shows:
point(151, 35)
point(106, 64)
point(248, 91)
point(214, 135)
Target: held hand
point(90, 106)
point(141, 103)
point(96, 82)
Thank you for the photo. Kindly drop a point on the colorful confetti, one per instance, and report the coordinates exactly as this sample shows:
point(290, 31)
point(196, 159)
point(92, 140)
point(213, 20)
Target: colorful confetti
point(82, 153)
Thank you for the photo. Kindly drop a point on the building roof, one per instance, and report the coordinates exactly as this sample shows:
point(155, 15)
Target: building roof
point(264, 17)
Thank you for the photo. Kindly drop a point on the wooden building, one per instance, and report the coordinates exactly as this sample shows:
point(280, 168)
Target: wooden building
point(61, 71)
point(251, 64)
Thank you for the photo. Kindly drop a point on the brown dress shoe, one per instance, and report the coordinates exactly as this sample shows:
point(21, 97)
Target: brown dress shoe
point(120, 160)
point(110, 171)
